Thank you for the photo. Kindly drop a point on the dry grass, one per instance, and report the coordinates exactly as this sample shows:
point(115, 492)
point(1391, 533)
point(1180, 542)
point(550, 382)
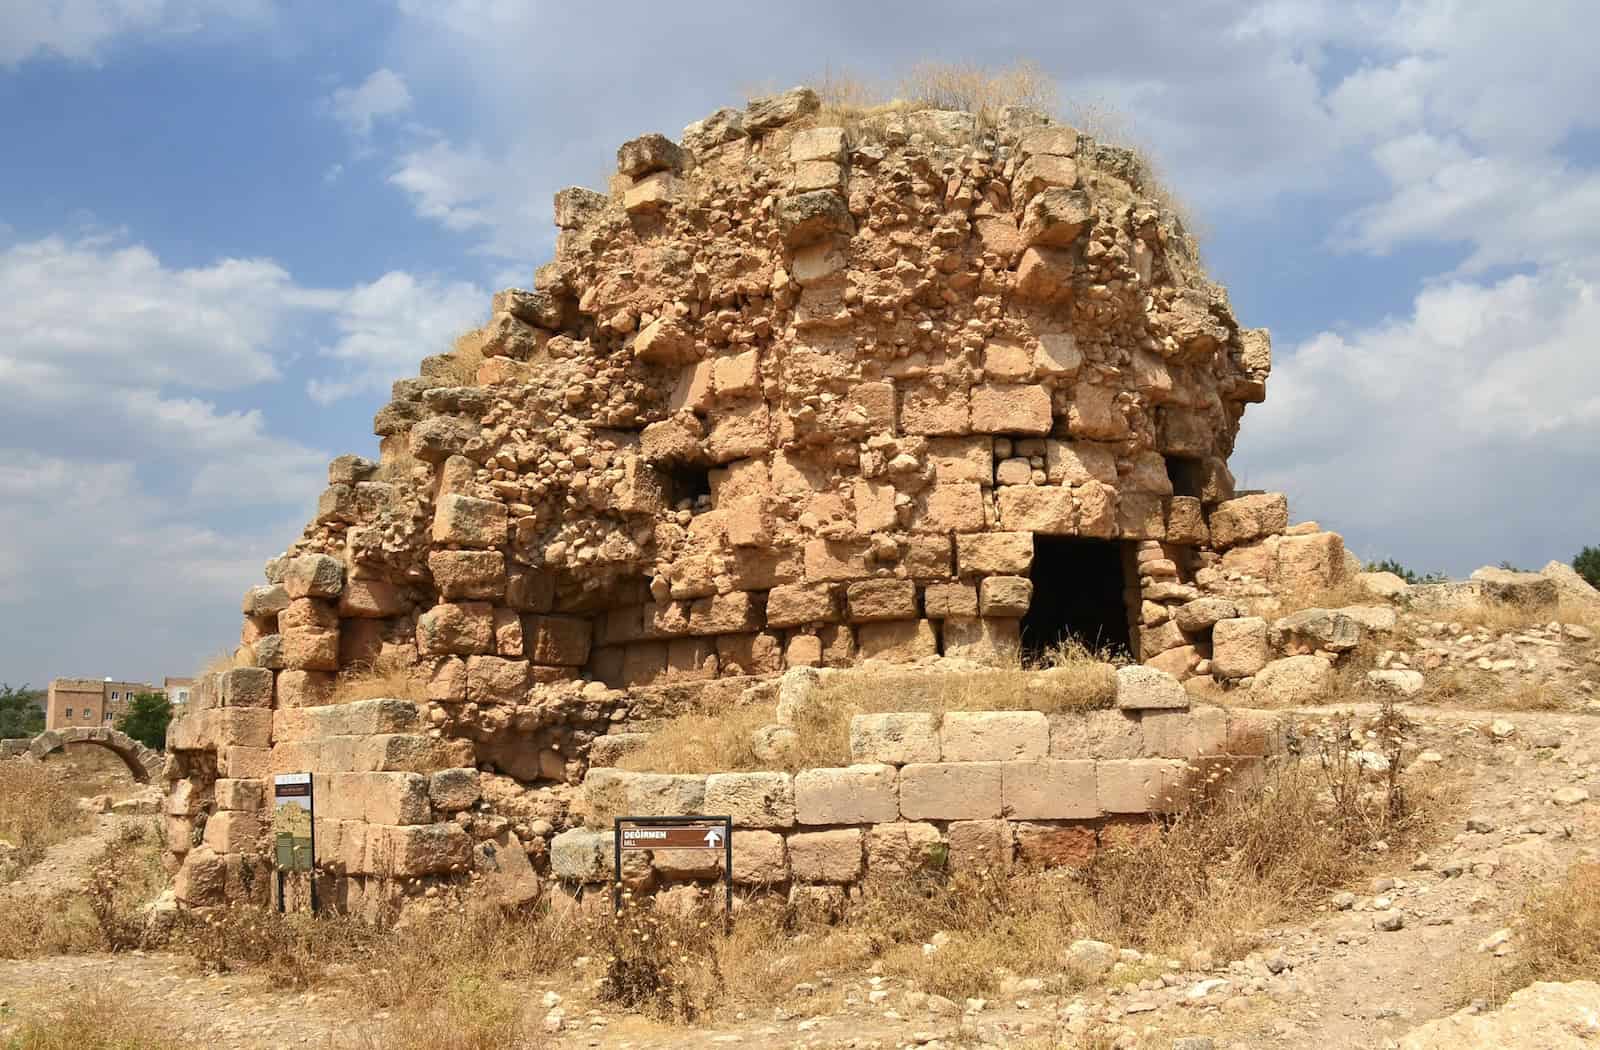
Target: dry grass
point(384, 680)
point(1337, 596)
point(37, 810)
point(1077, 679)
point(978, 90)
point(1496, 616)
point(466, 357)
point(93, 1021)
point(106, 916)
point(1556, 938)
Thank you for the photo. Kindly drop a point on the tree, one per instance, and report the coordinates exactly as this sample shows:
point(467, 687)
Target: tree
point(1587, 563)
point(21, 712)
point(146, 719)
point(1390, 565)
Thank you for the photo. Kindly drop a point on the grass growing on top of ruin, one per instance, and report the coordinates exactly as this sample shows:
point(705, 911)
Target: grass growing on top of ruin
point(386, 679)
point(37, 810)
point(1078, 679)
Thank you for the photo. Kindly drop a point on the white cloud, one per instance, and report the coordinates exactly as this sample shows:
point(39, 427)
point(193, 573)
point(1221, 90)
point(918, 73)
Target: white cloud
point(504, 199)
point(1468, 426)
point(387, 326)
point(80, 30)
point(382, 94)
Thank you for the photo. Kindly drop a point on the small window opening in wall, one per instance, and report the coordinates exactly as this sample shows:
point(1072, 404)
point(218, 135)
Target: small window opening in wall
point(688, 482)
point(1078, 589)
point(1186, 474)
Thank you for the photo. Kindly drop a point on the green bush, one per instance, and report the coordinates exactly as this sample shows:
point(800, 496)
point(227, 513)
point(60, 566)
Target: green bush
point(21, 712)
point(146, 719)
point(1587, 563)
point(1390, 565)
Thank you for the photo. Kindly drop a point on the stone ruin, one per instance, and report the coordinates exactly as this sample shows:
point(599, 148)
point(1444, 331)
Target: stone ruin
point(923, 390)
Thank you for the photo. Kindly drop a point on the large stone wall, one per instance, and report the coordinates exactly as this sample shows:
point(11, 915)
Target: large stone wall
point(789, 395)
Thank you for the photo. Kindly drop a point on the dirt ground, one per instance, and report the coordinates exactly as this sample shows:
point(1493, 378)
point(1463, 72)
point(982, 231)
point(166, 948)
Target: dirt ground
point(1336, 980)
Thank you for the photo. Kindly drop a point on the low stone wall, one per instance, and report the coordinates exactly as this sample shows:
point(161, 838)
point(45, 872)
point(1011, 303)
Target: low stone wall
point(979, 789)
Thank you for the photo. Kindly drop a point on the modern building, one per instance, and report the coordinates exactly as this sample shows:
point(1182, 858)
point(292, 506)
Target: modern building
point(177, 690)
point(89, 701)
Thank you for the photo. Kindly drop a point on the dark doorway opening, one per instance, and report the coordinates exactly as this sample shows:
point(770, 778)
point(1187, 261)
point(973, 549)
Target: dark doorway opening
point(1186, 474)
point(688, 482)
point(1078, 590)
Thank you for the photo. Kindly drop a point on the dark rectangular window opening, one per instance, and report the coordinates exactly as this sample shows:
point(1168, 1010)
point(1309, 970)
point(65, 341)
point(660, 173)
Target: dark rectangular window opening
point(688, 482)
point(1186, 474)
point(1078, 592)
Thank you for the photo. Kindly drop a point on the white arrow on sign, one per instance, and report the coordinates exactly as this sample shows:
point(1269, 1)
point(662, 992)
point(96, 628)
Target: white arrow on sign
point(714, 837)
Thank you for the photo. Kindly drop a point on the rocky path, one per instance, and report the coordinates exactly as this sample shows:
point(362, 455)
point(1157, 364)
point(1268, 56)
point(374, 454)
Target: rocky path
point(65, 866)
point(1370, 966)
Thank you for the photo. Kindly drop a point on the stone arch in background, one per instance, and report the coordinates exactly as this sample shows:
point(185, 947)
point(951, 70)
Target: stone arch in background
point(141, 761)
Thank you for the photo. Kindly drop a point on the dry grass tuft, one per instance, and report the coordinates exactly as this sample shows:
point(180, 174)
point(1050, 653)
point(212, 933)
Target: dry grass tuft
point(37, 810)
point(978, 90)
point(93, 1021)
point(1556, 938)
point(108, 915)
point(384, 680)
point(1076, 679)
point(466, 357)
point(1498, 616)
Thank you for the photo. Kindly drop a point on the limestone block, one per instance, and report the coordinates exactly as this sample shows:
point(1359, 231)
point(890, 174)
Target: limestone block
point(1006, 595)
point(1140, 785)
point(1159, 638)
point(1239, 647)
point(1007, 361)
point(739, 429)
point(452, 790)
point(582, 855)
point(462, 628)
point(245, 687)
point(806, 218)
point(993, 736)
point(1185, 522)
point(979, 845)
point(989, 640)
point(802, 650)
point(1309, 630)
point(897, 641)
point(247, 795)
point(1248, 518)
point(817, 144)
point(652, 193)
point(950, 507)
point(1144, 689)
point(1096, 734)
point(1039, 509)
point(1044, 274)
point(1049, 789)
point(826, 856)
point(686, 863)
point(1077, 462)
point(469, 574)
point(201, 881)
point(529, 589)
point(956, 459)
point(1254, 733)
point(1200, 614)
point(895, 738)
point(791, 605)
point(1396, 682)
point(994, 553)
point(1055, 845)
point(725, 614)
point(858, 794)
point(233, 831)
point(903, 848)
point(423, 849)
point(1094, 414)
point(1294, 681)
point(875, 600)
point(748, 654)
point(265, 600)
point(935, 409)
point(753, 800)
point(950, 599)
point(1178, 662)
point(1307, 563)
point(1141, 516)
point(386, 797)
point(464, 521)
point(244, 763)
point(496, 680)
point(1057, 216)
point(1010, 408)
point(691, 659)
point(925, 556)
point(759, 858)
point(507, 632)
point(648, 153)
point(556, 641)
point(313, 576)
point(241, 727)
point(836, 560)
point(309, 613)
point(951, 791)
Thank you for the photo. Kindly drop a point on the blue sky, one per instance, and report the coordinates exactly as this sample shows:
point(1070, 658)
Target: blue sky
point(226, 225)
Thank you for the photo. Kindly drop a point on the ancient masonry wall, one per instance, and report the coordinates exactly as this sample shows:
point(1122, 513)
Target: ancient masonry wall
point(789, 395)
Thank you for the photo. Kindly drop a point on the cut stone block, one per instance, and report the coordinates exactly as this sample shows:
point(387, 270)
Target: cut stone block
point(951, 791)
point(895, 738)
point(994, 736)
point(1145, 689)
point(899, 641)
point(753, 800)
point(1050, 789)
point(903, 848)
point(826, 856)
point(980, 845)
point(859, 794)
point(1141, 785)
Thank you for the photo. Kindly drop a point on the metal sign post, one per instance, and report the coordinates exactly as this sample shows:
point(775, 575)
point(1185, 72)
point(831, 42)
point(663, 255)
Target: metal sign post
point(652, 833)
point(294, 832)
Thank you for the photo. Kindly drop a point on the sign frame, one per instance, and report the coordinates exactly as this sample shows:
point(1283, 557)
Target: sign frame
point(294, 786)
point(725, 823)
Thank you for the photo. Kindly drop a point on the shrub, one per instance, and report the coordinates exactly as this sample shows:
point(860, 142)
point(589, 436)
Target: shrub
point(146, 719)
point(1587, 564)
point(21, 712)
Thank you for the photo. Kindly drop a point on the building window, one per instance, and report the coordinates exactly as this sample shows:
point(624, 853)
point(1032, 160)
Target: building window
point(107, 717)
point(69, 712)
point(113, 694)
point(183, 696)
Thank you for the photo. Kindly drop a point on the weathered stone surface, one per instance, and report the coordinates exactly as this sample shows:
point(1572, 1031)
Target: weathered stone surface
point(826, 856)
point(1049, 789)
point(1543, 1016)
point(1239, 647)
point(980, 845)
point(859, 794)
point(753, 800)
point(1145, 688)
point(903, 848)
point(313, 576)
point(450, 790)
point(1528, 590)
point(1293, 681)
point(1202, 613)
point(899, 641)
point(1309, 630)
point(759, 858)
point(1248, 518)
point(873, 600)
point(1140, 785)
point(1006, 595)
point(951, 791)
point(894, 738)
point(1055, 845)
point(993, 736)
point(463, 521)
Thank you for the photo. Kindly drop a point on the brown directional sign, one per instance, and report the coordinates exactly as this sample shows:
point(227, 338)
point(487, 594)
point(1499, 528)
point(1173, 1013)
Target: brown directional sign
point(674, 836)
